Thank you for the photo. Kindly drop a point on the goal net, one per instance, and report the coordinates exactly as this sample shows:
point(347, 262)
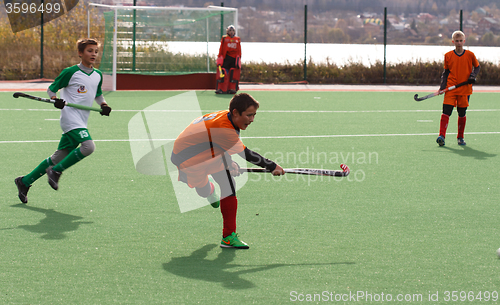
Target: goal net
point(160, 40)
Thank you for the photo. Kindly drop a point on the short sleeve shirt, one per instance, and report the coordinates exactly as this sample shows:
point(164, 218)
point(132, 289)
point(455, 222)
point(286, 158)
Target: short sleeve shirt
point(460, 67)
point(80, 88)
point(206, 138)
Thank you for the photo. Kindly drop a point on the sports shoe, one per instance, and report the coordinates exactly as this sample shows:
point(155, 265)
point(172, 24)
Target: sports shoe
point(214, 198)
point(461, 141)
point(23, 189)
point(440, 140)
point(53, 178)
point(218, 91)
point(233, 241)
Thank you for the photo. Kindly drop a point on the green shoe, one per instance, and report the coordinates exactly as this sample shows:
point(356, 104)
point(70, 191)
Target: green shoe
point(214, 198)
point(233, 241)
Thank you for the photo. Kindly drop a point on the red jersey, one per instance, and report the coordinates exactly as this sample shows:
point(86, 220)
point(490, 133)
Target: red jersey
point(230, 46)
point(206, 139)
point(460, 68)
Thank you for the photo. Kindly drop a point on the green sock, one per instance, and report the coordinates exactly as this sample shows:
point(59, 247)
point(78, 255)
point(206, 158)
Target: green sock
point(73, 157)
point(37, 172)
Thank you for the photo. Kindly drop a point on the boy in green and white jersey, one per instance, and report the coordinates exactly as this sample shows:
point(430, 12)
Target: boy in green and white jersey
point(80, 84)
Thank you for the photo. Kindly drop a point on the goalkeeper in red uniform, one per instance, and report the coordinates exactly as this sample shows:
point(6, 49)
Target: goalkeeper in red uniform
point(459, 66)
point(228, 63)
point(205, 147)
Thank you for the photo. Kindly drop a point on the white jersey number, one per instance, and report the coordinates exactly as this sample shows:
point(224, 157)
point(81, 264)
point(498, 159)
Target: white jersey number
point(83, 134)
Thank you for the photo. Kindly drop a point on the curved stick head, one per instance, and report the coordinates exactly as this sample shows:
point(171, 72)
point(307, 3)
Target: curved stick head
point(17, 94)
point(345, 169)
point(416, 97)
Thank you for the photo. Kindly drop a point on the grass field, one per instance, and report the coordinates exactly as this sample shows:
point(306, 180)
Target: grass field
point(413, 222)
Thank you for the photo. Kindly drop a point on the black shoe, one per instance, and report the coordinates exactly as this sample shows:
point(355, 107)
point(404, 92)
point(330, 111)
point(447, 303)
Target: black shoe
point(53, 178)
point(440, 140)
point(23, 189)
point(231, 92)
point(219, 91)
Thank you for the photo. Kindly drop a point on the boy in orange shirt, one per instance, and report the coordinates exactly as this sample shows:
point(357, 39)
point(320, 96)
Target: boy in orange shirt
point(459, 66)
point(202, 153)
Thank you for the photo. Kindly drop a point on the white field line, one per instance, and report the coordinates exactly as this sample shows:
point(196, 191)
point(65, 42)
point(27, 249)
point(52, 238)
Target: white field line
point(269, 111)
point(279, 111)
point(274, 137)
point(29, 109)
point(368, 135)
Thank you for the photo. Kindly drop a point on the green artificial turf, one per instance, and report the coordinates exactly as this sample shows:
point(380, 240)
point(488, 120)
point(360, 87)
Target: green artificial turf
point(412, 220)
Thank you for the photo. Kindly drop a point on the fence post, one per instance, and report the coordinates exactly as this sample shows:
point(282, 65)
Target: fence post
point(385, 45)
point(41, 41)
point(305, 42)
point(133, 39)
point(461, 20)
point(222, 21)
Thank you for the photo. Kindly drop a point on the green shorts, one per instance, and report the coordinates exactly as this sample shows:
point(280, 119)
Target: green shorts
point(73, 138)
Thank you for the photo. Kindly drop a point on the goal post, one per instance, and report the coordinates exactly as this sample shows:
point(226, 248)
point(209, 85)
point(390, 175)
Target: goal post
point(159, 40)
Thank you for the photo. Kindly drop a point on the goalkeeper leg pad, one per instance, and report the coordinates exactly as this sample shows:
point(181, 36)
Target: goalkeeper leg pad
point(234, 80)
point(221, 82)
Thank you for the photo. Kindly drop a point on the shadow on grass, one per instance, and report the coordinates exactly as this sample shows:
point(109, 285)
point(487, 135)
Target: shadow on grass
point(197, 267)
point(224, 96)
point(466, 151)
point(54, 225)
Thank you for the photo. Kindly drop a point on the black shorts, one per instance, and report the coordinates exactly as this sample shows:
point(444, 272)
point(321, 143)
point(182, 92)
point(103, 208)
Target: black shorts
point(229, 62)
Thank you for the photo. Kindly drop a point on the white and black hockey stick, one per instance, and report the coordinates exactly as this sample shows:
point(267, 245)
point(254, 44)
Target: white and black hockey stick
point(51, 101)
point(418, 99)
point(305, 171)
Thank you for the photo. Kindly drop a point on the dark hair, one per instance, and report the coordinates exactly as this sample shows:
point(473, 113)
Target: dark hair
point(242, 102)
point(81, 44)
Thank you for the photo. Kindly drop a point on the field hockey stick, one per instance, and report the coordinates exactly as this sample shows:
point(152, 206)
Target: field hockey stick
point(220, 71)
point(51, 101)
point(418, 99)
point(305, 171)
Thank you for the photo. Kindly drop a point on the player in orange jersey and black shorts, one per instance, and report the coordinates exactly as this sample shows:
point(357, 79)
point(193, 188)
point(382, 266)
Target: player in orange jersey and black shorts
point(459, 66)
point(205, 147)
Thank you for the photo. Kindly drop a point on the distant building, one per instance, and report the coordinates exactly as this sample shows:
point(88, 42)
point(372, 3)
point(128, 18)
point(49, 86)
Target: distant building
point(398, 26)
point(395, 23)
point(412, 35)
point(481, 11)
point(470, 27)
point(373, 26)
point(280, 25)
point(487, 24)
point(375, 21)
point(425, 17)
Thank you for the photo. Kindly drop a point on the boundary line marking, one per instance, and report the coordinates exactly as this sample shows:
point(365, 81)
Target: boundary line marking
point(275, 137)
point(280, 111)
point(6, 86)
